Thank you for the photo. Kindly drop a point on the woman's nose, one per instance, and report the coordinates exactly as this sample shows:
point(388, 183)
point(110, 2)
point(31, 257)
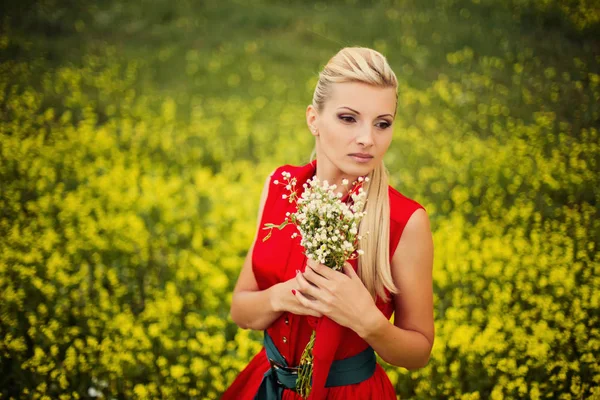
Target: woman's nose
point(365, 136)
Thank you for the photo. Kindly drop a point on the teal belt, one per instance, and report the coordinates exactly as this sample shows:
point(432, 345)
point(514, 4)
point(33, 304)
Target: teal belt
point(348, 371)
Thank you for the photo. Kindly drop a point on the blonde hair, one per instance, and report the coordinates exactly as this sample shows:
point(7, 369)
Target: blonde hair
point(360, 64)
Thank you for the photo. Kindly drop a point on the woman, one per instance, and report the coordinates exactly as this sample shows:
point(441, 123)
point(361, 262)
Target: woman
point(280, 291)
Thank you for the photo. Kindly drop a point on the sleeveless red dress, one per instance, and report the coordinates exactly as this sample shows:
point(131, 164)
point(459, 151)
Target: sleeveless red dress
point(276, 260)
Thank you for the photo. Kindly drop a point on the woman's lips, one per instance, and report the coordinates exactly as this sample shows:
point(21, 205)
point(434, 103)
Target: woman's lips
point(361, 157)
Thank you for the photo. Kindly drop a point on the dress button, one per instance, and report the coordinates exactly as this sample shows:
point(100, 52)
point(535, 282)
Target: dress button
point(287, 321)
point(284, 339)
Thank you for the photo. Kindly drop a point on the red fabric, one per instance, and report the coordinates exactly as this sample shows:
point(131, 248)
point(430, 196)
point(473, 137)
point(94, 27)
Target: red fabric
point(276, 260)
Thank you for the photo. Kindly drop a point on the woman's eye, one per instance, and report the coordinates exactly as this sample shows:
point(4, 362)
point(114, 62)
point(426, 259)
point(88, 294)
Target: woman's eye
point(346, 118)
point(384, 125)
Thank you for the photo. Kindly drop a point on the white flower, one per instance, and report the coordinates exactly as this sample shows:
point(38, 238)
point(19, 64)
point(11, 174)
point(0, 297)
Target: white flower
point(344, 182)
point(93, 392)
point(327, 226)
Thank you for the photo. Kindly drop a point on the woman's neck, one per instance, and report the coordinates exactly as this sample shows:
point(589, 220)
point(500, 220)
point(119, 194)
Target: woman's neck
point(325, 171)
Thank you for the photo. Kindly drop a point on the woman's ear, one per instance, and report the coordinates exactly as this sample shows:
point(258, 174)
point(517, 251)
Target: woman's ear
point(311, 120)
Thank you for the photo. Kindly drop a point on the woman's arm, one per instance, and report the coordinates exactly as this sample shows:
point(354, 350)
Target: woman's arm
point(408, 342)
point(345, 299)
point(256, 309)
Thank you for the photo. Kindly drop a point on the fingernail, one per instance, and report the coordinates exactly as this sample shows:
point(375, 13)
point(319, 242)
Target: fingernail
point(293, 292)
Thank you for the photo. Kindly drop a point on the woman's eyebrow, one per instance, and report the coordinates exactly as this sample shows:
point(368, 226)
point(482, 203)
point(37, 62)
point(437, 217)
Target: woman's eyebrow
point(350, 109)
point(379, 116)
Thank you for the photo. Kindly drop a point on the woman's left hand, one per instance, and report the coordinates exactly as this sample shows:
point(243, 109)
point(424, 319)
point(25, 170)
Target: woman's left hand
point(340, 296)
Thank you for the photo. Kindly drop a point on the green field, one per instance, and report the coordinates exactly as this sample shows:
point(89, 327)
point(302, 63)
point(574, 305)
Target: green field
point(135, 138)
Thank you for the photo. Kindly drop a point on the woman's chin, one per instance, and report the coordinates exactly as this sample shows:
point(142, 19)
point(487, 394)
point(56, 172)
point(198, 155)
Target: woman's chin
point(358, 170)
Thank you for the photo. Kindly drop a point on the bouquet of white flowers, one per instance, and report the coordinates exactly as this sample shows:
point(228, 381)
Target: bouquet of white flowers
point(328, 228)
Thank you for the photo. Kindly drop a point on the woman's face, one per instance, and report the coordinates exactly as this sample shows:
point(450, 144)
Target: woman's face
point(354, 129)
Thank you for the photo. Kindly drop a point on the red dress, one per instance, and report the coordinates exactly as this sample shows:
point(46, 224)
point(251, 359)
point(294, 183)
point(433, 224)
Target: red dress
point(276, 260)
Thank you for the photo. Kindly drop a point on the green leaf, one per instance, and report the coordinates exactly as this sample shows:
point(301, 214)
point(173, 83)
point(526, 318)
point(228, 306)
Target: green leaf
point(283, 224)
point(268, 235)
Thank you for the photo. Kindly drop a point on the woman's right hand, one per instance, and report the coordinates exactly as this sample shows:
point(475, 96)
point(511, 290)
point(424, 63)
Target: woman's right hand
point(283, 299)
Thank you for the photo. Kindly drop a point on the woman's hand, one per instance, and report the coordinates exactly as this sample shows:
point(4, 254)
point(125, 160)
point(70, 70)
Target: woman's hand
point(283, 299)
point(340, 296)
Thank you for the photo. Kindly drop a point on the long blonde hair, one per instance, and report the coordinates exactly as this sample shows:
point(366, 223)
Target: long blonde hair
point(360, 64)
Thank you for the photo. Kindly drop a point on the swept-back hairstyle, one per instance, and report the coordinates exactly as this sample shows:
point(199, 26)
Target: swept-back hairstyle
point(360, 64)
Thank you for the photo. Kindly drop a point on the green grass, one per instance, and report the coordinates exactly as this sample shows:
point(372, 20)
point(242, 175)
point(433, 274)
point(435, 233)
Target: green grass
point(272, 49)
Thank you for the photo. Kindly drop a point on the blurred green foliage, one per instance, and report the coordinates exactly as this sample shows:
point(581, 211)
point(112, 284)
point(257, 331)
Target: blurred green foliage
point(135, 138)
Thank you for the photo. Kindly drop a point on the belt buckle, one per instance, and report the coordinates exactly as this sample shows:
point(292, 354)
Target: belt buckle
point(276, 366)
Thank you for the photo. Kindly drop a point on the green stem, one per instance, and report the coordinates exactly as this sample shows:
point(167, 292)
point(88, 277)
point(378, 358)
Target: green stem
point(304, 381)
point(303, 384)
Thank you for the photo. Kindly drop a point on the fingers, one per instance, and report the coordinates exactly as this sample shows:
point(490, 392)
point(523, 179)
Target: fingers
point(322, 292)
point(310, 275)
point(321, 269)
point(313, 306)
point(305, 286)
point(300, 308)
point(313, 313)
point(316, 288)
point(349, 270)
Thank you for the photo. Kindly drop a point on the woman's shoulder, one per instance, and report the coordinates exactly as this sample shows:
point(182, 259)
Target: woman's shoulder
point(401, 209)
point(401, 206)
